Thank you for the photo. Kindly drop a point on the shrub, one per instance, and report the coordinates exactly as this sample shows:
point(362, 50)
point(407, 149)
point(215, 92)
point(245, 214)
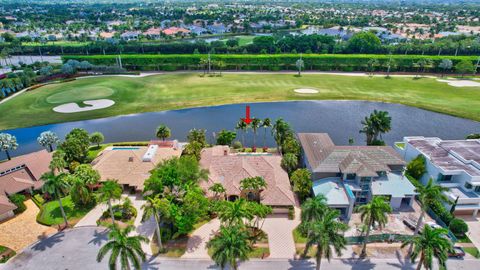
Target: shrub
point(18, 200)
point(291, 212)
point(416, 167)
point(237, 145)
point(458, 227)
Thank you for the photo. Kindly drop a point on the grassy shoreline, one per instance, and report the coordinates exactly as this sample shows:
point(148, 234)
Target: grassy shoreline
point(189, 90)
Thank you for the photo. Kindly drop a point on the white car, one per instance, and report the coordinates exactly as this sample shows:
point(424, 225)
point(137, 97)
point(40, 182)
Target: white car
point(433, 225)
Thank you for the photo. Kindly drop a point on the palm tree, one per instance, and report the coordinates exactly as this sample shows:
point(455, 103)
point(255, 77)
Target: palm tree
point(55, 185)
point(374, 212)
point(289, 162)
point(230, 246)
point(129, 248)
point(158, 208)
point(58, 162)
point(428, 196)
point(431, 243)
point(313, 210)
point(163, 132)
point(241, 125)
point(375, 125)
point(8, 142)
point(233, 213)
point(325, 234)
point(280, 131)
point(256, 123)
point(79, 191)
point(204, 62)
point(266, 123)
point(109, 191)
point(217, 189)
point(253, 184)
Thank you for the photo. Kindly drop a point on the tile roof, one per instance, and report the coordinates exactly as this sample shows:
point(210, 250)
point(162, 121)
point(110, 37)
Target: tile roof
point(450, 155)
point(22, 173)
point(229, 169)
point(126, 165)
point(324, 156)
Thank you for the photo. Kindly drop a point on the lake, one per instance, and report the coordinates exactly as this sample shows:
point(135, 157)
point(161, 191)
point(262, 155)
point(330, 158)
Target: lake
point(340, 119)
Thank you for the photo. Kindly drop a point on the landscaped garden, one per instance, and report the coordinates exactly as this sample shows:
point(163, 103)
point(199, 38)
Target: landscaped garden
point(50, 213)
point(175, 91)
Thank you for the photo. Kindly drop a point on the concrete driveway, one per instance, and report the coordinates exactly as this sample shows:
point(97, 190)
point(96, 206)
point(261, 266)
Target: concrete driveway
point(473, 229)
point(23, 230)
point(71, 249)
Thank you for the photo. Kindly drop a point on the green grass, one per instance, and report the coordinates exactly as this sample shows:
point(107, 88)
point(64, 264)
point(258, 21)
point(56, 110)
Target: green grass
point(50, 214)
point(5, 254)
point(472, 251)
point(464, 239)
point(298, 238)
point(242, 40)
point(400, 145)
point(185, 90)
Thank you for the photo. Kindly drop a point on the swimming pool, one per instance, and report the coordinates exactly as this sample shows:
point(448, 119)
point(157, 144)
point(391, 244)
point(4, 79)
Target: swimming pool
point(125, 148)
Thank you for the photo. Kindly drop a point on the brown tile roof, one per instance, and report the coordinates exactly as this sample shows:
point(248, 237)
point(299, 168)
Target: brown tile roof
point(127, 166)
point(229, 169)
point(22, 173)
point(324, 156)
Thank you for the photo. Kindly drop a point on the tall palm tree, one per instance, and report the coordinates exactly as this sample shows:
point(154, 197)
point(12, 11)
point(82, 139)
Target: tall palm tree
point(233, 213)
point(376, 124)
point(266, 123)
point(163, 132)
point(241, 125)
point(432, 243)
point(256, 123)
point(280, 131)
point(109, 191)
point(79, 191)
point(58, 162)
point(253, 184)
point(289, 162)
point(55, 185)
point(124, 248)
point(313, 210)
point(230, 246)
point(374, 212)
point(325, 234)
point(158, 208)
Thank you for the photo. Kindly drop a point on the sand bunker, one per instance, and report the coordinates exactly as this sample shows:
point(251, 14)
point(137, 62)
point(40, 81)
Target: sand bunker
point(306, 91)
point(461, 83)
point(91, 105)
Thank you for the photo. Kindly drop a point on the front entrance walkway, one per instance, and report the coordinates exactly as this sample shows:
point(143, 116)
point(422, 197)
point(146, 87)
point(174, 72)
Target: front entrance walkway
point(197, 242)
point(23, 230)
point(146, 228)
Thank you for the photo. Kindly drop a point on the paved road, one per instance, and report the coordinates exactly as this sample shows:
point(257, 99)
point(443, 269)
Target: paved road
point(76, 249)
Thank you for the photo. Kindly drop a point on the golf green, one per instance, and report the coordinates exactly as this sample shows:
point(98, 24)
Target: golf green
point(184, 90)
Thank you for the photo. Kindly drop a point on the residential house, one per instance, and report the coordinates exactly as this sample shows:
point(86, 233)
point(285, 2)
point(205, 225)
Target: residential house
point(131, 166)
point(197, 30)
point(130, 35)
point(217, 28)
point(153, 33)
point(351, 175)
point(21, 174)
point(173, 31)
point(454, 164)
point(229, 169)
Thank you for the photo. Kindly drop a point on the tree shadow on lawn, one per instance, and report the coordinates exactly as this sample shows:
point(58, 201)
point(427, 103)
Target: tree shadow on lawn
point(49, 242)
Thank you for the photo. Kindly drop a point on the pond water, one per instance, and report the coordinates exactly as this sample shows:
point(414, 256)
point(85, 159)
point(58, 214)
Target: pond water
point(340, 119)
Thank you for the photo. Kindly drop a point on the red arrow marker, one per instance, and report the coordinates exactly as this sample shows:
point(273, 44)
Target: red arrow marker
point(247, 118)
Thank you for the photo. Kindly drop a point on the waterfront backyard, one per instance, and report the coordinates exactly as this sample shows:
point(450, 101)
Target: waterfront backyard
point(185, 90)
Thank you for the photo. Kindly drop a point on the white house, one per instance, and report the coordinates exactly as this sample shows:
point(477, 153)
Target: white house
point(451, 163)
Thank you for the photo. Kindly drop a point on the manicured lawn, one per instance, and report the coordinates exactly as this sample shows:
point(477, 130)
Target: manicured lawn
point(5, 254)
point(51, 214)
point(298, 238)
point(472, 251)
point(184, 90)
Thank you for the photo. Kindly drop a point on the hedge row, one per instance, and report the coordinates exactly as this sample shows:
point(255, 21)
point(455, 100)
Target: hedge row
point(273, 62)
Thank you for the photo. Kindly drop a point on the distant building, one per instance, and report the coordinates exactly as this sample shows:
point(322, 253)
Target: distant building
point(173, 31)
point(454, 164)
point(127, 36)
point(21, 174)
point(217, 28)
point(197, 30)
point(352, 175)
point(153, 33)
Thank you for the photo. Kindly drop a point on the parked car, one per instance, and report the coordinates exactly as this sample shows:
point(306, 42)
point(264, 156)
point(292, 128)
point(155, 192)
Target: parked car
point(410, 223)
point(457, 252)
point(433, 225)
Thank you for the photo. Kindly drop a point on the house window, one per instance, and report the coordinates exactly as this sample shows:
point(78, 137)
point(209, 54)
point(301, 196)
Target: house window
point(477, 189)
point(468, 185)
point(382, 173)
point(350, 176)
point(444, 178)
